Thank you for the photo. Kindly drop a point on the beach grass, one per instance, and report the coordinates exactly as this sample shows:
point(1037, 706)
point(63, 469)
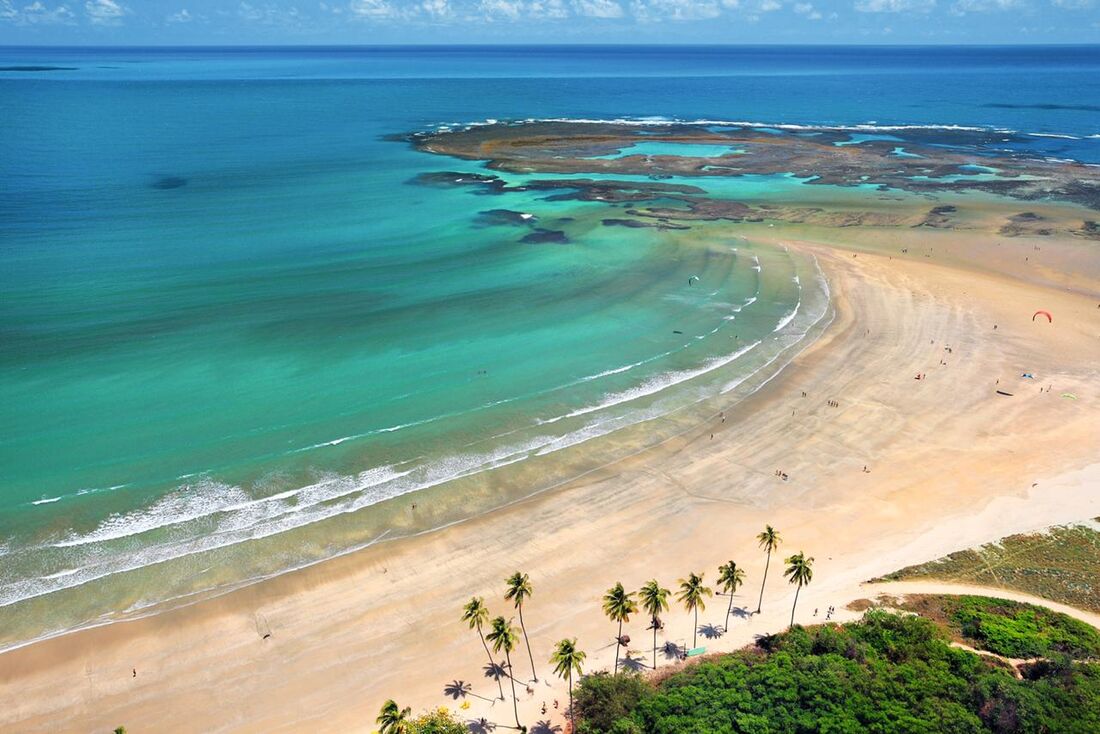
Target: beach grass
point(1061, 564)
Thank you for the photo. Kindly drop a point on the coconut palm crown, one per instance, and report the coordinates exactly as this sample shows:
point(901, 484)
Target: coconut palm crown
point(768, 540)
point(519, 589)
point(618, 605)
point(693, 596)
point(800, 570)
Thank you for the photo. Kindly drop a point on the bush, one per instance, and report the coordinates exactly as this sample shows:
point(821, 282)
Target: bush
point(889, 673)
point(602, 699)
point(1021, 630)
point(440, 721)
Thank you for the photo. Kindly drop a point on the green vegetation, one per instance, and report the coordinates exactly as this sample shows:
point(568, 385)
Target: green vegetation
point(395, 720)
point(1062, 564)
point(730, 577)
point(769, 540)
point(504, 638)
point(618, 605)
point(476, 614)
point(567, 659)
point(1008, 628)
point(693, 596)
point(518, 589)
point(800, 570)
point(888, 673)
point(654, 601)
point(439, 721)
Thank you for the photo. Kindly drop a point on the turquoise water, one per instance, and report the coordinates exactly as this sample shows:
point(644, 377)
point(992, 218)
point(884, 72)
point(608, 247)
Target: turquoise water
point(857, 138)
point(690, 150)
point(903, 153)
point(236, 337)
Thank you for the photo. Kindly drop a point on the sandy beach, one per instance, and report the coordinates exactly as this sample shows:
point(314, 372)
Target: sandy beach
point(950, 463)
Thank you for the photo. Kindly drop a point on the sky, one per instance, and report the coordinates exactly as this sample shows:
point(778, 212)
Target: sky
point(291, 22)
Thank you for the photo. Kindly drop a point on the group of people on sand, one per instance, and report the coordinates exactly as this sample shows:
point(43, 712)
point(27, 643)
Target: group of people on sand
point(781, 474)
point(833, 404)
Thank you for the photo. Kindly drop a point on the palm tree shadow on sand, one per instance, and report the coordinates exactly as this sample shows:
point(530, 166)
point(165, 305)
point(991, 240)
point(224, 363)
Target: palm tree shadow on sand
point(494, 671)
point(545, 727)
point(457, 689)
point(741, 612)
point(672, 651)
point(711, 632)
point(634, 661)
point(480, 726)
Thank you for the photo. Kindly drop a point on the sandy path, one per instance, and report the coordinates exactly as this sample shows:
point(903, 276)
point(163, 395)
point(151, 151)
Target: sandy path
point(902, 588)
point(951, 465)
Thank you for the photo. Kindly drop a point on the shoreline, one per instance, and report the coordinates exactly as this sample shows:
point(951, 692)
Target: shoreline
point(683, 419)
point(376, 623)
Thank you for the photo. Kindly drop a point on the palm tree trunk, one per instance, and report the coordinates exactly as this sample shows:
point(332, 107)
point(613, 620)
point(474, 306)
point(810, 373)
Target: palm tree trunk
point(795, 603)
point(618, 642)
point(654, 643)
point(529, 655)
point(491, 661)
point(515, 701)
point(572, 716)
point(730, 610)
point(695, 630)
point(766, 564)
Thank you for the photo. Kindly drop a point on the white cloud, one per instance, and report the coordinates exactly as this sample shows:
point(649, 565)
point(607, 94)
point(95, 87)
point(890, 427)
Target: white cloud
point(769, 6)
point(503, 9)
point(894, 6)
point(598, 8)
point(371, 9)
point(270, 14)
point(35, 14)
point(104, 12)
point(682, 10)
point(547, 9)
point(437, 9)
point(808, 10)
point(183, 16)
point(962, 7)
point(1073, 4)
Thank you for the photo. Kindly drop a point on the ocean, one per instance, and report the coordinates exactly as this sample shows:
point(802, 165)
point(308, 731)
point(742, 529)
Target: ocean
point(238, 337)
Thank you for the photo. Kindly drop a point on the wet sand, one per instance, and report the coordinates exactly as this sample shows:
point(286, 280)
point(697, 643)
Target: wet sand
point(951, 464)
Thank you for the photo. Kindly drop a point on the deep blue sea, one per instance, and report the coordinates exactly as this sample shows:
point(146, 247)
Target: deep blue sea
point(235, 338)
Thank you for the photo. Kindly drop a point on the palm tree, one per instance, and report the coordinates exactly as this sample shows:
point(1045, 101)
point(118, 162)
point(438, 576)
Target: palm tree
point(519, 588)
point(618, 605)
point(691, 594)
point(654, 601)
point(120, 730)
point(503, 638)
point(729, 578)
point(393, 720)
point(566, 659)
point(769, 540)
point(475, 613)
point(800, 570)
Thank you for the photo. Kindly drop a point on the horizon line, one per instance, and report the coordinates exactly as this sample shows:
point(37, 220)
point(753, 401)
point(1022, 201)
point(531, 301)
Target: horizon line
point(535, 45)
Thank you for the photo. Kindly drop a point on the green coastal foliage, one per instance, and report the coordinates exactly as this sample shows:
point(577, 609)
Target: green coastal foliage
point(889, 673)
point(440, 721)
point(1060, 565)
point(395, 720)
point(1009, 628)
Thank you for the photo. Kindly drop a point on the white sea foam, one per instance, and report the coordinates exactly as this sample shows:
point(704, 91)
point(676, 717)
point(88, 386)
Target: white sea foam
point(207, 515)
point(46, 501)
point(662, 121)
